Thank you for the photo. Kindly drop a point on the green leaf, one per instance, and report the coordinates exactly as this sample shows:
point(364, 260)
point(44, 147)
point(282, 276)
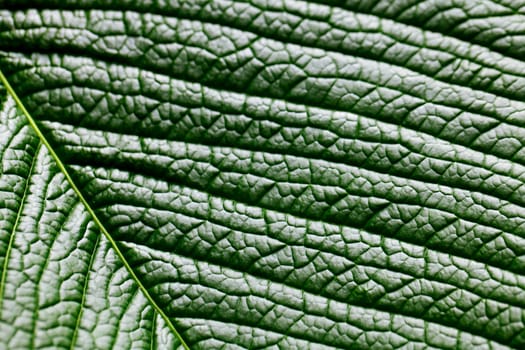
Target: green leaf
point(219, 174)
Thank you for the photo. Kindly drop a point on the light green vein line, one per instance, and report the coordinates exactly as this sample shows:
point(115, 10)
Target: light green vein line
point(84, 292)
point(90, 210)
point(153, 332)
point(17, 221)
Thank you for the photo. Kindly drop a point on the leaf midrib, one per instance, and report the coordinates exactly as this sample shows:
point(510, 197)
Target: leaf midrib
point(89, 209)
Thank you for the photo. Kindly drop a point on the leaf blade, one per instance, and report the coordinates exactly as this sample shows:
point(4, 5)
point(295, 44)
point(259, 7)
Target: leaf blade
point(231, 156)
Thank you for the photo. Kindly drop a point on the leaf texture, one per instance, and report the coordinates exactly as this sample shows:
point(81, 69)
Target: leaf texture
point(62, 285)
point(263, 174)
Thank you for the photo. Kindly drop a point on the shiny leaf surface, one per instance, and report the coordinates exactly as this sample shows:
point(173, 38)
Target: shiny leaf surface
point(219, 174)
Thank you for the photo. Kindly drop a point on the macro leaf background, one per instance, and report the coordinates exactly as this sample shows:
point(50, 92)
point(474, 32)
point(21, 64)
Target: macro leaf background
point(219, 174)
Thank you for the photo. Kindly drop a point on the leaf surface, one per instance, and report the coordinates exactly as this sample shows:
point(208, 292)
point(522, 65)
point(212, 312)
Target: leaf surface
point(262, 174)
